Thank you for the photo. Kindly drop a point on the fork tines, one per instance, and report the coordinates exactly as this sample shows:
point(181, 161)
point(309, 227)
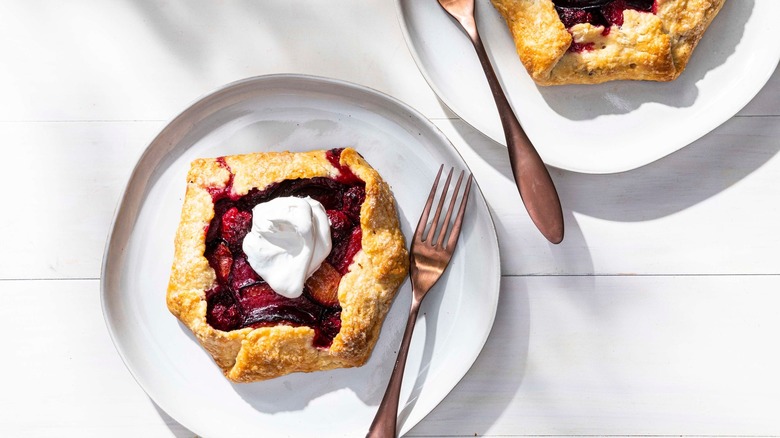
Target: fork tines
point(444, 225)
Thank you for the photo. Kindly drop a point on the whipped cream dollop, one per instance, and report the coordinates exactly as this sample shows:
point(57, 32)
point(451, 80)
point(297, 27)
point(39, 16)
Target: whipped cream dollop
point(289, 239)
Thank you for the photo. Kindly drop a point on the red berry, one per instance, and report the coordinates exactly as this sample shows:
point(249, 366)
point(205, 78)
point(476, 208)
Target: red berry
point(235, 225)
point(571, 16)
point(340, 224)
point(353, 200)
point(223, 313)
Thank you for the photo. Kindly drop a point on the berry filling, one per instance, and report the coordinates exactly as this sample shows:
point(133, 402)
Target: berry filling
point(605, 13)
point(240, 298)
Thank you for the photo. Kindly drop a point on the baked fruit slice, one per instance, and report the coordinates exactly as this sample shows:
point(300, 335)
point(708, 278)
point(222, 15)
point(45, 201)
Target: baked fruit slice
point(594, 41)
point(252, 332)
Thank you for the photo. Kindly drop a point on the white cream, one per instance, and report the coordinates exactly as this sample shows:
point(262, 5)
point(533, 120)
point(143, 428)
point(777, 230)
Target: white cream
point(289, 239)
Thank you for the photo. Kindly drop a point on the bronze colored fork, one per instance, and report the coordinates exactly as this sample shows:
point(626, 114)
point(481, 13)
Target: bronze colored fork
point(429, 258)
point(534, 183)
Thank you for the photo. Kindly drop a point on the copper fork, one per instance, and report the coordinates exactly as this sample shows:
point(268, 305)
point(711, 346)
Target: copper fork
point(534, 183)
point(430, 255)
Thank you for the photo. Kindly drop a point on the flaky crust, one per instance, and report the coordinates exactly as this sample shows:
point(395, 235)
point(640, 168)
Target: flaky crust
point(365, 292)
point(647, 46)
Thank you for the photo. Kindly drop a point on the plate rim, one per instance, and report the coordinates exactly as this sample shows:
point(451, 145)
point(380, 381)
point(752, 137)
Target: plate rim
point(110, 253)
point(626, 167)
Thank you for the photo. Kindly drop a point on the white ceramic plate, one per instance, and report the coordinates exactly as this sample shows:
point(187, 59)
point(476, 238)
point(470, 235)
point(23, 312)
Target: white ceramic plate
point(294, 113)
point(605, 128)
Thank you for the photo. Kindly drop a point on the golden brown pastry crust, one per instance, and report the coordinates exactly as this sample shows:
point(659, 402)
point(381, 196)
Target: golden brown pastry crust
point(365, 292)
point(647, 46)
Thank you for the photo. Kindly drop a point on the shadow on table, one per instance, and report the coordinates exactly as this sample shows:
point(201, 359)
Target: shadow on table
point(673, 183)
point(501, 366)
point(176, 429)
point(669, 185)
point(495, 156)
point(665, 187)
point(689, 176)
point(487, 390)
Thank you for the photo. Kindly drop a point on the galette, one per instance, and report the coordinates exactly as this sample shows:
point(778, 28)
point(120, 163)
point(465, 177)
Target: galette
point(594, 41)
point(286, 262)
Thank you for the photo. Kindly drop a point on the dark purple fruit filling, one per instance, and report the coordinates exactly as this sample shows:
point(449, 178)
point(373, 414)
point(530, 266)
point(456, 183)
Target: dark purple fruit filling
point(598, 13)
point(241, 298)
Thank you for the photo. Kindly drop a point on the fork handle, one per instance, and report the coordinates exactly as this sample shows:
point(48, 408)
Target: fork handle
point(533, 181)
point(384, 424)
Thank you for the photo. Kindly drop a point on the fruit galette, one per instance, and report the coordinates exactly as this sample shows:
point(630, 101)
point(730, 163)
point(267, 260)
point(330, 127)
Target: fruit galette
point(286, 262)
point(593, 41)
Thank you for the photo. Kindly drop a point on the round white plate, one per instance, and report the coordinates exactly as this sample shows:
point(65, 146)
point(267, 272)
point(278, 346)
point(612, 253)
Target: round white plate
point(294, 113)
point(605, 128)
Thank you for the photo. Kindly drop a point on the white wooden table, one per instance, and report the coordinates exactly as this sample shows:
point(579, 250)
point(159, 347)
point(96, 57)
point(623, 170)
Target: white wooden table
point(658, 315)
